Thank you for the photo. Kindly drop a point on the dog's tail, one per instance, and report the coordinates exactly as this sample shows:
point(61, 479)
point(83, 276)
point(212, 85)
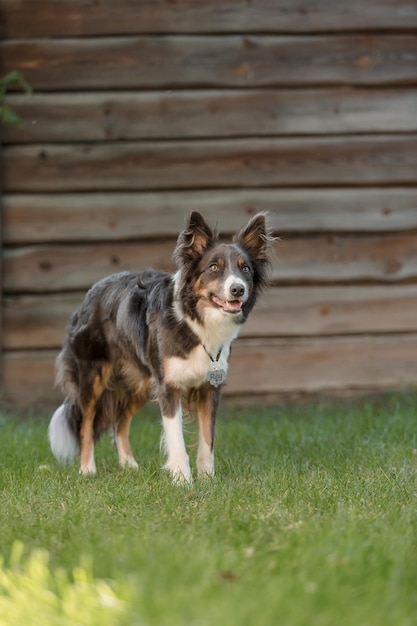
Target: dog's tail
point(63, 434)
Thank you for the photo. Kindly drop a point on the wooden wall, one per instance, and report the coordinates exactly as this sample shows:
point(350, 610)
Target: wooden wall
point(145, 110)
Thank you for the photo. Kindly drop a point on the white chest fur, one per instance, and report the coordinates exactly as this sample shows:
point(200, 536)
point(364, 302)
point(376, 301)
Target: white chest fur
point(193, 371)
point(216, 335)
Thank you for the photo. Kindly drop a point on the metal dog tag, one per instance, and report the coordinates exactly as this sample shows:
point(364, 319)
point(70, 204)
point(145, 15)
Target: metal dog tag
point(216, 377)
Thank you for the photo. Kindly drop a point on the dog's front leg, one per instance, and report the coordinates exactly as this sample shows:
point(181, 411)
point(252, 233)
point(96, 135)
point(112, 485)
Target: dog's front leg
point(173, 444)
point(207, 402)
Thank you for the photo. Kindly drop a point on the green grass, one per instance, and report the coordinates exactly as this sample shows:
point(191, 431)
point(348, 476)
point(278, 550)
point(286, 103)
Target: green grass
point(311, 520)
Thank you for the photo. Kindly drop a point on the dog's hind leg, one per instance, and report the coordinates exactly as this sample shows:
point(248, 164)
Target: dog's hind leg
point(87, 461)
point(126, 458)
point(207, 402)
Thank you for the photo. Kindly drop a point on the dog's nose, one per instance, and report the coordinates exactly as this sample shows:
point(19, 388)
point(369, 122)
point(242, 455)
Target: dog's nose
point(237, 290)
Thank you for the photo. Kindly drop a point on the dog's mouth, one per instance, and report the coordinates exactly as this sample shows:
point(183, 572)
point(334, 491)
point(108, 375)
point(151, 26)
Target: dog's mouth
point(228, 306)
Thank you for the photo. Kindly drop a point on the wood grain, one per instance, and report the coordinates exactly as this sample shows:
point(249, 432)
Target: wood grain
point(257, 367)
point(59, 268)
point(39, 321)
point(321, 310)
point(56, 118)
point(144, 111)
point(359, 160)
point(120, 216)
point(48, 18)
point(314, 365)
point(322, 259)
point(201, 61)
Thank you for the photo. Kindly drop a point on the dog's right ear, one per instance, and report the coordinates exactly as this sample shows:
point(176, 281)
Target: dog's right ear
point(194, 240)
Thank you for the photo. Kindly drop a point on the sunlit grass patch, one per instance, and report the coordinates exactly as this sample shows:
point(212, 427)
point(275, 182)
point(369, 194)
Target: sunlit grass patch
point(31, 593)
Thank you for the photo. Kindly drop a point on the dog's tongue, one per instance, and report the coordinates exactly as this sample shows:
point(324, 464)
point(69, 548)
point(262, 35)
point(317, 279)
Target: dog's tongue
point(231, 306)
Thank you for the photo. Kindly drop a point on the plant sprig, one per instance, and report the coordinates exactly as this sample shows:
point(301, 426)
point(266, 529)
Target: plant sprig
point(8, 117)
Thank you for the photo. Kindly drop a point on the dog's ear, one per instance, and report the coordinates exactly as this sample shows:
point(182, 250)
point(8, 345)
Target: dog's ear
point(194, 240)
point(256, 238)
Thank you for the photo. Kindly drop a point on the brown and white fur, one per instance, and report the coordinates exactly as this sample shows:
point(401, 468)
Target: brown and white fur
point(156, 332)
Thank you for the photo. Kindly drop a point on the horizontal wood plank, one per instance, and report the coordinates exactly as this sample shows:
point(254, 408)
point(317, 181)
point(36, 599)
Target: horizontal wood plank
point(39, 321)
point(314, 365)
point(48, 18)
point(333, 310)
point(275, 366)
point(78, 217)
point(55, 268)
point(363, 160)
point(28, 379)
point(55, 118)
point(201, 61)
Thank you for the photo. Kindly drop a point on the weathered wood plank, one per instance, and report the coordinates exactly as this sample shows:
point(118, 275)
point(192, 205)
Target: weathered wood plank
point(48, 18)
point(114, 216)
point(275, 366)
point(313, 365)
point(56, 118)
point(229, 61)
point(28, 379)
point(364, 160)
point(55, 268)
point(39, 321)
point(346, 258)
point(333, 310)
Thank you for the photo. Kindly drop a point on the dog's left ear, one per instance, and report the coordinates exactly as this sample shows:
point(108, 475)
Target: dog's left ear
point(195, 239)
point(256, 238)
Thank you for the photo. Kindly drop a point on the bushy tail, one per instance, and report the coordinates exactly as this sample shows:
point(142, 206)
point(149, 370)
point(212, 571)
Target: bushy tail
point(62, 436)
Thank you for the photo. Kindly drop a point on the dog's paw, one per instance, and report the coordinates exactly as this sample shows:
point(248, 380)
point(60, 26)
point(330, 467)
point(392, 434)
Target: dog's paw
point(88, 470)
point(128, 462)
point(206, 472)
point(180, 475)
point(205, 463)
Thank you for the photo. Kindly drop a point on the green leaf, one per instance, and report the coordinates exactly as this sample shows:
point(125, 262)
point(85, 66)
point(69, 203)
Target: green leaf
point(15, 78)
point(9, 118)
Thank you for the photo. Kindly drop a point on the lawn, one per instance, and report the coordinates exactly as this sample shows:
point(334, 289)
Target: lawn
point(311, 520)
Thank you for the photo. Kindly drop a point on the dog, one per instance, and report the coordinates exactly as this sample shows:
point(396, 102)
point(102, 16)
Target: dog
point(169, 334)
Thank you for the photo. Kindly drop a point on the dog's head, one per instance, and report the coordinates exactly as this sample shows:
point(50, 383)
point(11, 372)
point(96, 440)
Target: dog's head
point(215, 276)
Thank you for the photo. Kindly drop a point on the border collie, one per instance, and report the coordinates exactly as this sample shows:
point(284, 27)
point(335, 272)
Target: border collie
point(169, 334)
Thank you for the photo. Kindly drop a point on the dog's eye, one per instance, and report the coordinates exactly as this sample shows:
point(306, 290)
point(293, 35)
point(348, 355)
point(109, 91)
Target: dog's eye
point(245, 269)
point(214, 267)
